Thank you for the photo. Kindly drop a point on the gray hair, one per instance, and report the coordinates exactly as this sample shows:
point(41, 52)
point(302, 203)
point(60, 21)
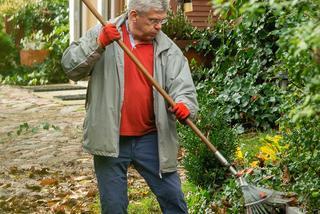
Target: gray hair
point(146, 5)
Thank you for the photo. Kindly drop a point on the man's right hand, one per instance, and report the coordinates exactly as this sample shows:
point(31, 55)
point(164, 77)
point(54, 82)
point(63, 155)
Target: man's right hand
point(108, 34)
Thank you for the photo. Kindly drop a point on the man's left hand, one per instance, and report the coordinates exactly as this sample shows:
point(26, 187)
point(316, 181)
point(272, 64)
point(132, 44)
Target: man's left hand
point(181, 111)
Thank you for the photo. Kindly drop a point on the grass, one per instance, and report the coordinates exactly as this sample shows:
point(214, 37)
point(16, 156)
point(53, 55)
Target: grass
point(143, 201)
point(250, 143)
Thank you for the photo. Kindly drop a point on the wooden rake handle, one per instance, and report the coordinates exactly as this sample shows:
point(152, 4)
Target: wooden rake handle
point(162, 91)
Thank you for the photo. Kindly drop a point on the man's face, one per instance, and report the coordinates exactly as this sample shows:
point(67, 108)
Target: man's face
point(148, 24)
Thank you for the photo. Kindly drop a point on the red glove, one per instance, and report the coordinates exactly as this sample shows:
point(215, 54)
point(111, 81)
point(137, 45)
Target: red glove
point(181, 111)
point(108, 34)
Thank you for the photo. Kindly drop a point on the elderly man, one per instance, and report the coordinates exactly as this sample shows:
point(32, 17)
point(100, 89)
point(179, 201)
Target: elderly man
point(127, 122)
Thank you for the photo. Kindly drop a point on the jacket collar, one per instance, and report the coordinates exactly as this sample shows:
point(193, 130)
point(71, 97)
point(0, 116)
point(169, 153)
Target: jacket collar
point(162, 41)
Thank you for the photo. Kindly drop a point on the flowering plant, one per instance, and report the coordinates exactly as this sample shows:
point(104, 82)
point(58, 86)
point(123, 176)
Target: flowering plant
point(36, 41)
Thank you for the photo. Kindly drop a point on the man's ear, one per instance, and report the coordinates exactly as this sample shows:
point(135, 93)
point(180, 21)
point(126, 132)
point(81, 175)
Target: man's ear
point(133, 15)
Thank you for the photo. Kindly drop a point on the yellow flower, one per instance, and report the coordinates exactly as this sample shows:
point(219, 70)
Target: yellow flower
point(277, 138)
point(269, 151)
point(239, 155)
point(254, 164)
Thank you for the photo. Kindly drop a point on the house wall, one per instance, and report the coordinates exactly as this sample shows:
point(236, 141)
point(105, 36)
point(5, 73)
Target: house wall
point(202, 14)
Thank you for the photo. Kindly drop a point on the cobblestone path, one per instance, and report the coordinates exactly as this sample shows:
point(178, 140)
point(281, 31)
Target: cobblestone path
point(42, 166)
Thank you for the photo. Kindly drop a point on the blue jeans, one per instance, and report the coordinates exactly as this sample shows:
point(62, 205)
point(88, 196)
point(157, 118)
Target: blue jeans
point(142, 153)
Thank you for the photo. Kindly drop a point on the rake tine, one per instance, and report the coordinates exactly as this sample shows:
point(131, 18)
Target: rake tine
point(254, 210)
point(263, 210)
point(248, 211)
point(257, 210)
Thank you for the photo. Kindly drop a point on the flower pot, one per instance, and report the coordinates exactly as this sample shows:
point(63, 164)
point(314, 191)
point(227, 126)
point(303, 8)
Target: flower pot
point(32, 57)
point(191, 53)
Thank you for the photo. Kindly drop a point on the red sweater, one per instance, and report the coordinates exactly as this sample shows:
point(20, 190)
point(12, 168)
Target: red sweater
point(137, 114)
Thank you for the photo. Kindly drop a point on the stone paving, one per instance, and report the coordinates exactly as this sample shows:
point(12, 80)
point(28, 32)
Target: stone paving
point(42, 166)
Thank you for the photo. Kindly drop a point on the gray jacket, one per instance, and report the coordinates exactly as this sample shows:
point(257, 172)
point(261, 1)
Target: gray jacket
point(106, 89)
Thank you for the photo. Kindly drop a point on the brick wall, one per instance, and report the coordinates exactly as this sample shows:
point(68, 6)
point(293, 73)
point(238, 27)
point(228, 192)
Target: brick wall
point(202, 12)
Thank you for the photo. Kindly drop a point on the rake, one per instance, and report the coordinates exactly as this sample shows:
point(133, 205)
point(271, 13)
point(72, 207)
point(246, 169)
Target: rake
point(258, 200)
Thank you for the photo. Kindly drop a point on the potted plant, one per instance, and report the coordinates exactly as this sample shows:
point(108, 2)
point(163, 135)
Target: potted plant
point(33, 49)
point(185, 36)
point(179, 28)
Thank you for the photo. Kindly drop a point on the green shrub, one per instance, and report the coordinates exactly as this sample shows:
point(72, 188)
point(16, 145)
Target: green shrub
point(242, 77)
point(302, 160)
point(5, 42)
point(227, 199)
point(7, 53)
point(202, 167)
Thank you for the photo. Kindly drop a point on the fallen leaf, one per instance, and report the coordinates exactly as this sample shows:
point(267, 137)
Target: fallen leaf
point(286, 175)
point(53, 201)
point(49, 181)
point(59, 210)
point(34, 187)
point(293, 201)
point(244, 171)
point(91, 193)
point(6, 185)
point(13, 170)
point(70, 202)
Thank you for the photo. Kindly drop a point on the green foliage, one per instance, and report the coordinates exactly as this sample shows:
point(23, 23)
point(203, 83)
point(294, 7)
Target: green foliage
point(51, 18)
point(9, 7)
point(7, 52)
point(302, 160)
point(25, 128)
point(298, 31)
point(23, 76)
point(197, 198)
point(142, 200)
point(204, 200)
point(29, 19)
point(207, 41)
point(58, 41)
point(178, 27)
point(5, 43)
point(260, 40)
point(198, 157)
point(146, 205)
point(297, 39)
point(242, 77)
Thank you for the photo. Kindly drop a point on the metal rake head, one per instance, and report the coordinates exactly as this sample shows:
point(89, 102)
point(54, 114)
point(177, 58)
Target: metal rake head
point(260, 200)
